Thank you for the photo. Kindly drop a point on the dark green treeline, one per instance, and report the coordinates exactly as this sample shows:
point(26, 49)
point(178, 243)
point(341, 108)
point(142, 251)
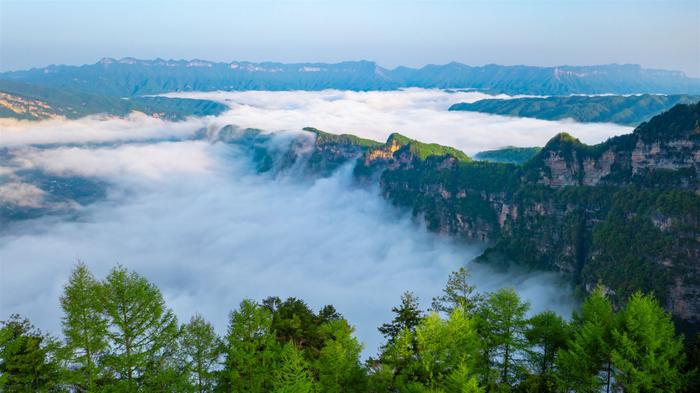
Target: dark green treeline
point(120, 336)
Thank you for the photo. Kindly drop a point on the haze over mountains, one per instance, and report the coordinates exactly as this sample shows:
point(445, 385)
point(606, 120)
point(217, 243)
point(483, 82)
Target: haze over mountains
point(131, 77)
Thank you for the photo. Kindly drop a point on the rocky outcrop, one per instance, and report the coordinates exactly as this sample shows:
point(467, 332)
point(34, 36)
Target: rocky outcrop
point(650, 152)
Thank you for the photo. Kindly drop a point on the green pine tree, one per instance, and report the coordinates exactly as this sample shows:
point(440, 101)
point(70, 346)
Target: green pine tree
point(407, 316)
point(84, 328)
point(547, 333)
point(647, 356)
point(585, 365)
point(201, 349)
point(251, 350)
point(458, 293)
point(141, 328)
point(292, 374)
point(445, 346)
point(338, 365)
point(503, 325)
point(28, 362)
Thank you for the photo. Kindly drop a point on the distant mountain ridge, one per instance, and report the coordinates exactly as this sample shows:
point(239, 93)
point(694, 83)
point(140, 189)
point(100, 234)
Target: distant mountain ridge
point(626, 110)
point(132, 77)
point(32, 102)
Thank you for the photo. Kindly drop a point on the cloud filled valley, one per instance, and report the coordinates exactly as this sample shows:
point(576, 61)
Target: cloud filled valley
point(194, 216)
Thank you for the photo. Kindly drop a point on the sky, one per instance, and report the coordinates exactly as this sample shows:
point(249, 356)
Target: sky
point(655, 34)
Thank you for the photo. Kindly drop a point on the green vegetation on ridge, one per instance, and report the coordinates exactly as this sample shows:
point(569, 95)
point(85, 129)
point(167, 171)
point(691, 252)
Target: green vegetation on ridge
point(626, 110)
point(508, 154)
point(32, 102)
point(425, 150)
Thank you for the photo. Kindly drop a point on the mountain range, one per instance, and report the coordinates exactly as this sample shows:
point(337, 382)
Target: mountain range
point(129, 77)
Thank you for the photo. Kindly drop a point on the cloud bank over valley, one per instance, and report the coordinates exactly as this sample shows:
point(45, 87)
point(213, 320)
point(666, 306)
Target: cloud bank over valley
point(196, 218)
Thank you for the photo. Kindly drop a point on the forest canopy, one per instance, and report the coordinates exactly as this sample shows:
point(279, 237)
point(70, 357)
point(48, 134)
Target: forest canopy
point(119, 335)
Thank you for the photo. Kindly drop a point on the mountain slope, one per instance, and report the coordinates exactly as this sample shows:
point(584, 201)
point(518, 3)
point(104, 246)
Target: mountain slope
point(627, 110)
point(508, 155)
point(31, 102)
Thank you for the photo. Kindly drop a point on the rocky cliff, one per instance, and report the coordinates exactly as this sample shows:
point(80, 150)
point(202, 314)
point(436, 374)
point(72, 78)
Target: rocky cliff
point(624, 213)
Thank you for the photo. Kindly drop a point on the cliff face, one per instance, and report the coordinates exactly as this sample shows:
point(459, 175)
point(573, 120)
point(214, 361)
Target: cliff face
point(665, 148)
point(624, 213)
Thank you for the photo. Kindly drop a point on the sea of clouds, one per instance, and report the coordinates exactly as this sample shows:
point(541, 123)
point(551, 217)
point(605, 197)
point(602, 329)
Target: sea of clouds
point(195, 218)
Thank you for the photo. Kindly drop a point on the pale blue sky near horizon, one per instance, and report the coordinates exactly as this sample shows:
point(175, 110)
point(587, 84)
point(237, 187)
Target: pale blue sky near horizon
point(655, 34)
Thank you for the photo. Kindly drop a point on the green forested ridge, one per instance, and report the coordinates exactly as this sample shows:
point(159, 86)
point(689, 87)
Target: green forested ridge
point(425, 150)
point(120, 336)
point(323, 137)
point(627, 110)
point(35, 102)
point(509, 154)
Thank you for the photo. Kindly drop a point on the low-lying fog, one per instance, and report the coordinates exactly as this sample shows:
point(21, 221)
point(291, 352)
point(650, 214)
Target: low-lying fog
point(197, 220)
point(418, 113)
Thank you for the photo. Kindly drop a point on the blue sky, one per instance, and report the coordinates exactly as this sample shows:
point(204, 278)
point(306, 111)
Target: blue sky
point(655, 34)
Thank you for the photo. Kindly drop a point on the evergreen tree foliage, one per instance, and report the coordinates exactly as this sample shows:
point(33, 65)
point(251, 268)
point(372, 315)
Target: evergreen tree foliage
point(546, 334)
point(338, 365)
point(503, 326)
point(201, 350)
point(28, 360)
point(586, 366)
point(406, 317)
point(84, 328)
point(141, 328)
point(458, 293)
point(252, 350)
point(647, 356)
point(292, 375)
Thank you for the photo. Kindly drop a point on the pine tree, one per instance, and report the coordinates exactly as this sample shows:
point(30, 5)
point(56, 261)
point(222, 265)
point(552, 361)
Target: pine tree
point(585, 366)
point(547, 333)
point(647, 355)
point(407, 316)
point(503, 326)
point(251, 350)
point(201, 349)
point(462, 380)
point(141, 328)
point(84, 328)
point(338, 365)
point(445, 346)
point(458, 293)
point(292, 375)
point(28, 361)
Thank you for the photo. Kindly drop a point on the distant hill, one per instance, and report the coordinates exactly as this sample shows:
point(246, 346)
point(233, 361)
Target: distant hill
point(32, 102)
point(508, 155)
point(133, 77)
point(626, 110)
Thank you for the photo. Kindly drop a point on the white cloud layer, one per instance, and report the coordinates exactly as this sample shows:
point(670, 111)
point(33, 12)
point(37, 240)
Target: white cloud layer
point(194, 218)
point(213, 235)
point(95, 129)
point(418, 113)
